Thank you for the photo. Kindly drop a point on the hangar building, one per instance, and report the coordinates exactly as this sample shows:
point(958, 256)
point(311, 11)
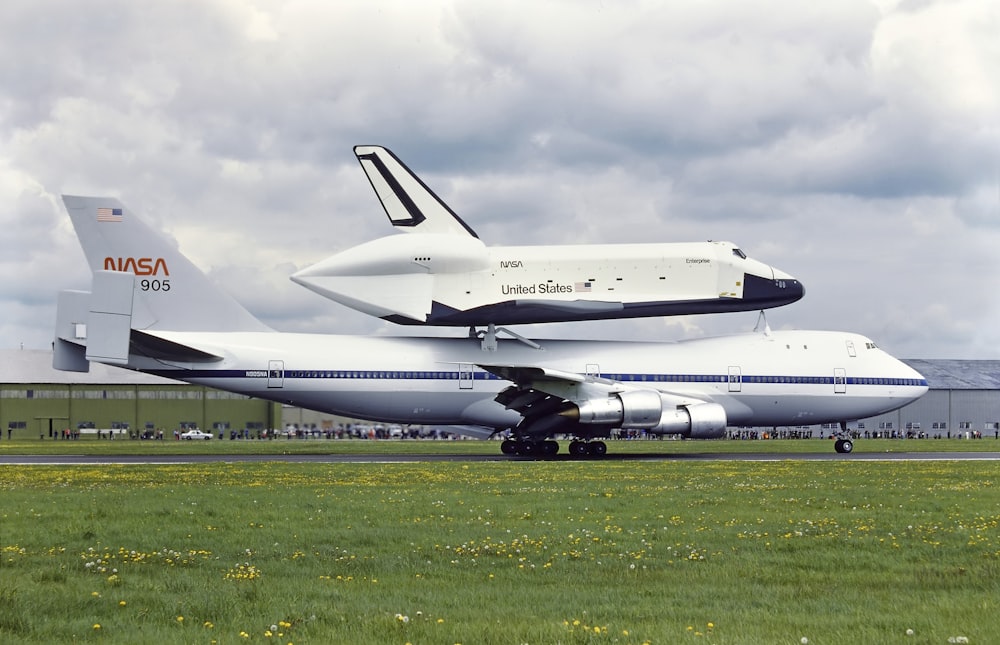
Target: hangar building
point(38, 400)
point(963, 400)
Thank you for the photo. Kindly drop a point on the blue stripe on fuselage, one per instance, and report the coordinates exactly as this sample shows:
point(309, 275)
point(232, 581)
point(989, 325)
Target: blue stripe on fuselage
point(390, 375)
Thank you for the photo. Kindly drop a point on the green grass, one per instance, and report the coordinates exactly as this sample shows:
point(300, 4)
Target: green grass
point(501, 552)
point(90, 445)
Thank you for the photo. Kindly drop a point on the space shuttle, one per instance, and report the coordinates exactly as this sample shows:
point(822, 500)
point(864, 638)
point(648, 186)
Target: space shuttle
point(438, 272)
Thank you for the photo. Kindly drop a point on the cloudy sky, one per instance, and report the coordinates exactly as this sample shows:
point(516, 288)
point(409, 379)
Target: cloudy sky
point(855, 145)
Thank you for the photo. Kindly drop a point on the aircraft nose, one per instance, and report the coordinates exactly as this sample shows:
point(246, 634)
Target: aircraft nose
point(781, 289)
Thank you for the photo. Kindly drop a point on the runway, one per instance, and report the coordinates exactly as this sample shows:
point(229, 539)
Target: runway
point(153, 460)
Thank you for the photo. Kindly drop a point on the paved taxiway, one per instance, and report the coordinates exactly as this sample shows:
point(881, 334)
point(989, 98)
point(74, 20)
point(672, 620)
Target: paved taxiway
point(75, 460)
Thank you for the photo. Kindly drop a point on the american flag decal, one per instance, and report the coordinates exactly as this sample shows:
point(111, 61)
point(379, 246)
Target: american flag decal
point(109, 214)
point(582, 286)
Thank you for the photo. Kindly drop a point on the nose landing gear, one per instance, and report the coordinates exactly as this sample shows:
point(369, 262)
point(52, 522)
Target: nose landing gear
point(844, 444)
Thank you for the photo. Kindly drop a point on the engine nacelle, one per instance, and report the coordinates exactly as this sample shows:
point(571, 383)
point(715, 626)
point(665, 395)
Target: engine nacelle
point(651, 410)
point(633, 409)
point(698, 421)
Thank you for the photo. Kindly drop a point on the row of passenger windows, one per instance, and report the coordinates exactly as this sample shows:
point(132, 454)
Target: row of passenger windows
point(447, 376)
point(122, 394)
point(649, 378)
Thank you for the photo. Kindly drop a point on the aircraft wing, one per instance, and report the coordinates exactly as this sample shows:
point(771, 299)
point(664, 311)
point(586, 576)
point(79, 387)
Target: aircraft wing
point(553, 402)
point(545, 395)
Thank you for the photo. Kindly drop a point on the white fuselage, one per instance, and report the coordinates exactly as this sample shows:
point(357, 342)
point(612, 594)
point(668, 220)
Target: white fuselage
point(780, 378)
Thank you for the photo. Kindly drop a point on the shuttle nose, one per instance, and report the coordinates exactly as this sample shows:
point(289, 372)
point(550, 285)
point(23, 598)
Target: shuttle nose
point(772, 290)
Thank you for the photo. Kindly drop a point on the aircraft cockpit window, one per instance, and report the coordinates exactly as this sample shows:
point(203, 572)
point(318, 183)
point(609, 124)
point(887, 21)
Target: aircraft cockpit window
point(740, 254)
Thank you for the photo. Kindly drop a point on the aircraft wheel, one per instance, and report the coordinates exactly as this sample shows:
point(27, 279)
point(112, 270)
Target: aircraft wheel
point(508, 447)
point(577, 448)
point(597, 449)
point(550, 448)
point(526, 448)
point(844, 446)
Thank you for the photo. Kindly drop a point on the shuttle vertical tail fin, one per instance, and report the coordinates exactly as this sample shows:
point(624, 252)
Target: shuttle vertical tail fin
point(170, 293)
point(409, 203)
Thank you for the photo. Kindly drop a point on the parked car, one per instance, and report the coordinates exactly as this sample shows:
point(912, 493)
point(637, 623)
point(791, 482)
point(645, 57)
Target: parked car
point(195, 434)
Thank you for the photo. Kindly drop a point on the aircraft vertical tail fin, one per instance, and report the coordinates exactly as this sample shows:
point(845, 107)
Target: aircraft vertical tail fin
point(168, 292)
point(411, 206)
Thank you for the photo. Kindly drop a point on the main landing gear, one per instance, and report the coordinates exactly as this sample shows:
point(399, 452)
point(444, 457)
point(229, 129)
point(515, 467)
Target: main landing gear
point(588, 448)
point(549, 448)
point(526, 448)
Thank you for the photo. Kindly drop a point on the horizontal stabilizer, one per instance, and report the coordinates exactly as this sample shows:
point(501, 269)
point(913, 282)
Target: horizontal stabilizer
point(69, 357)
point(69, 351)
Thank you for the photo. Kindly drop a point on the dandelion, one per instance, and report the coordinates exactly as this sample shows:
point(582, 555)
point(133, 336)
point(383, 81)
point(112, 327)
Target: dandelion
point(180, 619)
point(122, 603)
point(97, 626)
point(804, 640)
point(909, 632)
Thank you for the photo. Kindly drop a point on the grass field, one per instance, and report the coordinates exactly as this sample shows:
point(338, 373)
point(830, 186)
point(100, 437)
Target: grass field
point(508, 552)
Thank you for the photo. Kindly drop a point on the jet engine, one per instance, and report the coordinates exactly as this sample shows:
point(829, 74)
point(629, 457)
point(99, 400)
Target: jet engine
point(655, 412)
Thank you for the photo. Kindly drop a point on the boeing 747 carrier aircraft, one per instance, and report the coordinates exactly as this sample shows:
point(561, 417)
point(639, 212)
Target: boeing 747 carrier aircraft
point(150, 309)
point(443, 274)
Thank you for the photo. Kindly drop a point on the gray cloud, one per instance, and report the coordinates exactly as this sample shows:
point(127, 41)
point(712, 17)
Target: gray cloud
point(852, 144)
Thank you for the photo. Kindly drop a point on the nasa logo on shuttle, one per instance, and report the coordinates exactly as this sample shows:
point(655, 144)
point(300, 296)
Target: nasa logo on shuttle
point(138, 266)
point(511, 264)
